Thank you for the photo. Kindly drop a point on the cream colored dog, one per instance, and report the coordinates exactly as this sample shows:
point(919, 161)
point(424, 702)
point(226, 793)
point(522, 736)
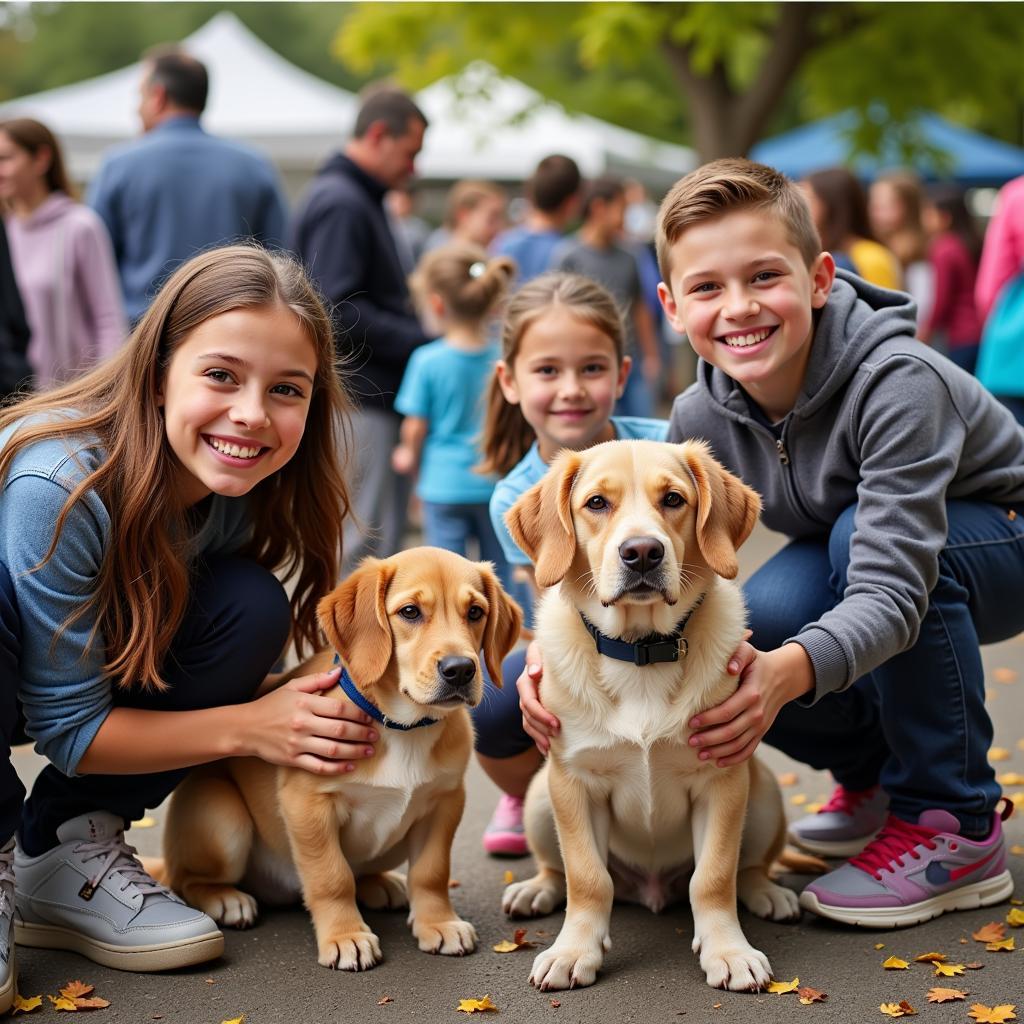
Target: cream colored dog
point(408, 630)
point(640, 538)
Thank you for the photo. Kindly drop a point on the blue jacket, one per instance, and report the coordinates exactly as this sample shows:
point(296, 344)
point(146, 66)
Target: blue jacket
point(175, 192)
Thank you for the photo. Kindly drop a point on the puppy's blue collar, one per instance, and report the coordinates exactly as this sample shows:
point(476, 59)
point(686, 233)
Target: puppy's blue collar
point(352, 692)
point(649, 650)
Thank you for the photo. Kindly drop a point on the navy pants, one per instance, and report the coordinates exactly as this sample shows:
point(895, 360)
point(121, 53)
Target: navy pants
point(917, 724)
point(234, 630)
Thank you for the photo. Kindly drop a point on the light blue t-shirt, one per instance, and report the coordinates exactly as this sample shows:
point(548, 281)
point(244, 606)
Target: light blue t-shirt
point(447, 386)
point(534, 251)
point(532, 467)
point(63, 692)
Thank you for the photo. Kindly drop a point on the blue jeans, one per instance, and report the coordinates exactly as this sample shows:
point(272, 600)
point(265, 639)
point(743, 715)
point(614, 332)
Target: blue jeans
point(452, 526)
point(916, 724)
point(234, 629)
point(497, 720)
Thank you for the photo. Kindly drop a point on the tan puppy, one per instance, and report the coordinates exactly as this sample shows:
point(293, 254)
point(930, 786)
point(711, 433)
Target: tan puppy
point(641, 537)
point(408, 630)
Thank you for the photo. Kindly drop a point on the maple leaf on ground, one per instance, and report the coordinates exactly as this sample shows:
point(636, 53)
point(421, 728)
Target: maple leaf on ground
point(1017, 849)
point(509, 878)
point(23, 1005)
point(74, 989)
point(62, 1003)
point(555, 1003)
point(1002, 946)
point(945, 995)
point(235, 1020)
point(998, 754)
point(991, 932)
point(900, 1009)
point(879, 945)
point(384, 1000)
point(477, 1005)
point(811, 995)
point(894, 963)
point(974, 967)
point(931, 958)
point(948, 970)
point(798, 799)
point(782, 987)
point(1010, 779)
point(90, 1003)
point(992, 1014)
point(1015, 918)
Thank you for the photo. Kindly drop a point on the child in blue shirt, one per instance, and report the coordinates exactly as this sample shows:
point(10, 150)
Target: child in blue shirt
point(441, 394)
point(563, 366)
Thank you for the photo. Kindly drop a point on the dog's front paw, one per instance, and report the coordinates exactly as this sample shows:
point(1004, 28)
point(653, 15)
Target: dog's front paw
point(226, 905)
point(772, 902)
point(352, 951)
point(534, 897)
point(566, 966)
point(449, 938)
point(384, 891)
point(739, 969)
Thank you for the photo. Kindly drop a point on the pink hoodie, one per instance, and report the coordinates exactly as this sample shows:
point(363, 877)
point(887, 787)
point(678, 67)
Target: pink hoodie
point(1002, 258)
point(64, 264)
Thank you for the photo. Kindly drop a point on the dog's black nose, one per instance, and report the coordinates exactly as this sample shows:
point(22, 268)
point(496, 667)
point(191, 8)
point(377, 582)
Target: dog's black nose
point(456, 671)
point(641, 553)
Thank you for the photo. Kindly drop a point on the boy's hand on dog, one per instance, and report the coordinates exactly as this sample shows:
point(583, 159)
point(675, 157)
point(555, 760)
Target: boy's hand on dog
point(295, 727)
point(541, 725)
point(730, 732)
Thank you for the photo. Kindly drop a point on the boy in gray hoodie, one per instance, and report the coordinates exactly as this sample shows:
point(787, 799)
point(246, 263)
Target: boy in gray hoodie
point(901, 483)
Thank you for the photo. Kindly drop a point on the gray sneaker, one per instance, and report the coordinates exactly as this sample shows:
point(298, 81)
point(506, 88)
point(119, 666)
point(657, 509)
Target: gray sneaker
point(8, 974)
point(90, 895)
point(844, 825)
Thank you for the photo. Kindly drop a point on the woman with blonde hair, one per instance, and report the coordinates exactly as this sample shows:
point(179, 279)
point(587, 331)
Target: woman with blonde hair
point(62, 257)
point(145, 509)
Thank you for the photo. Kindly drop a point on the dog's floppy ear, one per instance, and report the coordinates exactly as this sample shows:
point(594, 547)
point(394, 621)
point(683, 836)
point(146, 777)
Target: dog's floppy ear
point(504, 620)
point(355, 620)
point(541, 521)
point(727, 509)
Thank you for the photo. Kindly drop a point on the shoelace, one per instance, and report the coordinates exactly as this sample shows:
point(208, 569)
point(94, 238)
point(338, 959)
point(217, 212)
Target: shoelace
point(896, 840)
point(6, 875)
point(847, 801)
point(119, 856)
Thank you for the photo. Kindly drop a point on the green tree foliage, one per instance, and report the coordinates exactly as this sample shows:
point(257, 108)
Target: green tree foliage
point(730, 72)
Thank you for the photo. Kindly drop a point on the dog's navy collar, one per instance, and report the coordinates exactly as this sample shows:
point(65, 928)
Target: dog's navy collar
point(352, 691)
point(649, 650)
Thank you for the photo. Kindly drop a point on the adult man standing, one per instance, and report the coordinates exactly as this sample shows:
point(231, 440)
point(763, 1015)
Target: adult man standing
point(177, 190)
point(342, 235)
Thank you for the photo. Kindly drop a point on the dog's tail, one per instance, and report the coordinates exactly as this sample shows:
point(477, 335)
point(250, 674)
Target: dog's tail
point(800, 863)
point(156, 868)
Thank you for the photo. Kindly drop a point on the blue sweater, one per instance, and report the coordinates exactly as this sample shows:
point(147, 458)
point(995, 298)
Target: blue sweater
point(63, 692)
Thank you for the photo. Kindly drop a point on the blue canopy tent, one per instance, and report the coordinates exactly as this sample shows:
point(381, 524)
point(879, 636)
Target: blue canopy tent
point(970, 158)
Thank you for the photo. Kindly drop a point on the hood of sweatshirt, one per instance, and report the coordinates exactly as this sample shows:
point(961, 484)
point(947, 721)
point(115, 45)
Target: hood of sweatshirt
point(52, 208)
point(857, 318)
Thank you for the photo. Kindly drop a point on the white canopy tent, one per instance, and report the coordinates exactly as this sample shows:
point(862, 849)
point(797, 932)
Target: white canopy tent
point(256, 97)
point(487, 125)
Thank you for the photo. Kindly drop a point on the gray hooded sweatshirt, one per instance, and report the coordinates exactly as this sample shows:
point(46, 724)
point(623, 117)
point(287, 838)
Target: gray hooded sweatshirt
point(885, 423)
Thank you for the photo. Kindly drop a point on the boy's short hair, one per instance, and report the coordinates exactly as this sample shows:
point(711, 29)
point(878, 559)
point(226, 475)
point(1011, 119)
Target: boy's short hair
point(725, 186)
point(556, 179)
point(383, 102)
point(605, 189)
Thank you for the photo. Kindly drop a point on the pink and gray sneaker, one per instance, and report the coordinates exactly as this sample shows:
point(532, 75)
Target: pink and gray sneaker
point(911, 873)
point(844, 825)
point(504, 835)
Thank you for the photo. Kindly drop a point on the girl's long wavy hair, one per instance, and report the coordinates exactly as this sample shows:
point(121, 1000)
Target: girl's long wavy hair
point(142, 589)
point(506, 435)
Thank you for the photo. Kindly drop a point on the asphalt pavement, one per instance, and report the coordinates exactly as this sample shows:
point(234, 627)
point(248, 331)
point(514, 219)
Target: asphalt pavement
point(269, 974)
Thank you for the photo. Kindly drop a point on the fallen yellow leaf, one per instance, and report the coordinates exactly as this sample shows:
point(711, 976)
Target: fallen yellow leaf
point(900, 1009)
point(1004, 675)
point(1017, 849)
point(1010, 779)
point(948, 970)
point(90, 1003)
point(74, 989)
point(945, 995)
point(782, 987)
point(787, 778)
point(879, 945)
point(998, 754)
point(518, 941)
point(991, 932)
point(477, 1005)
point(798, 799)
point(1015, 918)
point(62, 1003)
point(931, 958)
point(894, 963)
point(509, 877)
point(22, 1005)
point(505, 947)
point(144, 822)
point(1016, 902)
point(235, 1020)
point(1002, 946)
point(992, 1014)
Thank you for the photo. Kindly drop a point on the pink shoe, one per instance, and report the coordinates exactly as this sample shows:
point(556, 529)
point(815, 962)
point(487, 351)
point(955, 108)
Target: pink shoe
point(504, 834)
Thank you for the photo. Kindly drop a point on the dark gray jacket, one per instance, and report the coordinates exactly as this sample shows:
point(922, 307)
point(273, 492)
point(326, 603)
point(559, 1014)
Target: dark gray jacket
point(885, 423)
